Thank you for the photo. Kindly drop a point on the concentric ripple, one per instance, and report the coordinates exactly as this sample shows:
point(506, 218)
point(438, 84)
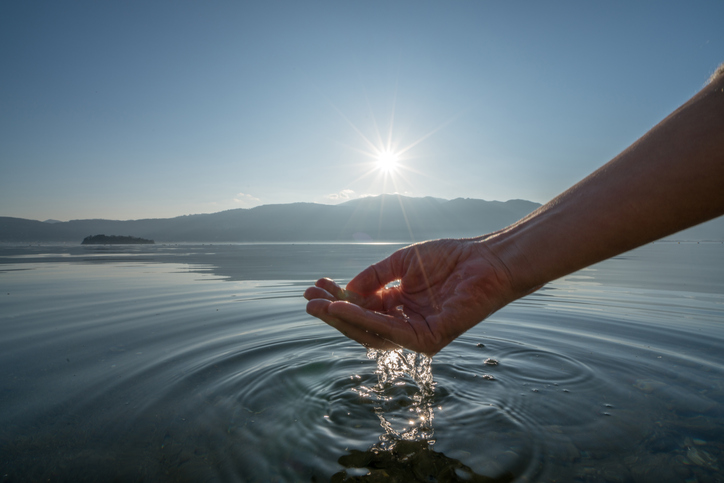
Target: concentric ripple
point(168, 371)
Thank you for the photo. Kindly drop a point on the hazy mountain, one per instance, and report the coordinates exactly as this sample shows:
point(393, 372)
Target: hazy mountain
point(379, 218)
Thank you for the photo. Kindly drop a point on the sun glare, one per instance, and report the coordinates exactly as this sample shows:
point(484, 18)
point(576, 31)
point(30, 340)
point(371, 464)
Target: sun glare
point(388, 159)
point(387, 162)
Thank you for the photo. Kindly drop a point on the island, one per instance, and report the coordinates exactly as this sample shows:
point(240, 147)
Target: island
point(115, 240)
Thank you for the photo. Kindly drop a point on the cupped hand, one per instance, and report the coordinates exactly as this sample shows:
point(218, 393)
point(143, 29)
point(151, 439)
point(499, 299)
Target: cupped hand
point(445, 288)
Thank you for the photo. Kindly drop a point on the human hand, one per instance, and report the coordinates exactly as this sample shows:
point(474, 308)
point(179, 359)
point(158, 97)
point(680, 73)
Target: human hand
point(446, 287)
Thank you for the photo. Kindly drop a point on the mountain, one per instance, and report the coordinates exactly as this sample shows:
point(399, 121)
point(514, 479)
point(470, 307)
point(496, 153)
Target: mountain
point(379, 218)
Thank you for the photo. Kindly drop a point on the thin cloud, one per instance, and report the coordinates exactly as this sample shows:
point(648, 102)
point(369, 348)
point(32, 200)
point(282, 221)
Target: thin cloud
point(246, 200)
point(344, 195)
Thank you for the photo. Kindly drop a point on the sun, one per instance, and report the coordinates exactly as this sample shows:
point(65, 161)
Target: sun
point(387, 161)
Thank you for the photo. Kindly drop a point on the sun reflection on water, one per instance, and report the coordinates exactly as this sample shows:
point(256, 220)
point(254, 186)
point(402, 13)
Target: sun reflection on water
point(404, 396)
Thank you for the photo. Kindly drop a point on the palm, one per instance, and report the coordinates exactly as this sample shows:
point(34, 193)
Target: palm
point(446, 287)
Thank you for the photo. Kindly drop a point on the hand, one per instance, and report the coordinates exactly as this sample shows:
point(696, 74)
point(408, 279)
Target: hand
point(446, 287)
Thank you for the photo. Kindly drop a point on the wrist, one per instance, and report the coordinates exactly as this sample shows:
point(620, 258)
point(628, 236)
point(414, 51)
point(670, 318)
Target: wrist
point(510, 262)
point(518, 268)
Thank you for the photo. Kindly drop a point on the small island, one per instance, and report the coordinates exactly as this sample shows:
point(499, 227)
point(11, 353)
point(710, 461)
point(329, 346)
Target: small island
point(115, 240)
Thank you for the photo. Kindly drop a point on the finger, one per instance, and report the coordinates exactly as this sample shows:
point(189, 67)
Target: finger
point(317, 293)
point(366, 338)
point(329, 290)
point(332, 287)
point(385, 326)
point(319, 308)
point(376, 276)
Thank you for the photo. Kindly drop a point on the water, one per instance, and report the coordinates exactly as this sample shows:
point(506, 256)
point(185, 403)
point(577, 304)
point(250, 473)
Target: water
point(199, 363)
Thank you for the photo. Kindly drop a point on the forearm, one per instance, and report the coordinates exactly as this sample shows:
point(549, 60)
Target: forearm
point(670, 179)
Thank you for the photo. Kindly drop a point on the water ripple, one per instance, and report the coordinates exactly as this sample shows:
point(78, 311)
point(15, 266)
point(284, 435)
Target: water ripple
point(190, 372)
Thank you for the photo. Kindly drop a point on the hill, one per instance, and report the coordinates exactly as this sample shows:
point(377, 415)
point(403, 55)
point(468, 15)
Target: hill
point(115, 240)
point(380, 218)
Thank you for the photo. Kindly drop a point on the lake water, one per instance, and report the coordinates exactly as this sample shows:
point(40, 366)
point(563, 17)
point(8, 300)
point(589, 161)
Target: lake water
point(199, 363)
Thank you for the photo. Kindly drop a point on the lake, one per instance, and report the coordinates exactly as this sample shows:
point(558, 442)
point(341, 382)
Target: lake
point(199, 363)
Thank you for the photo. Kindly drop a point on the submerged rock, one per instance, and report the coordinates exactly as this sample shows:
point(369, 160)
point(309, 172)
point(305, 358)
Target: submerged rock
point(408, 461)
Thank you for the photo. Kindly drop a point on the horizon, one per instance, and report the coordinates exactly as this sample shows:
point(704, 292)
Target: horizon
point(139, 111)
point(53, 220)
point(424, 217)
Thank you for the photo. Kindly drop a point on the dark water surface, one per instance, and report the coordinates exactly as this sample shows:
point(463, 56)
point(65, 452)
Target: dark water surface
point(199, 363)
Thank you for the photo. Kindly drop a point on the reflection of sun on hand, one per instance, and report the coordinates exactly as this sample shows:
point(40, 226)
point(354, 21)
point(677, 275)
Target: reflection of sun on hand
point(387, 162)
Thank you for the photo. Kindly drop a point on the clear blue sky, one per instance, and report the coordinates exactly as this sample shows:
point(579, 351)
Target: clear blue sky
point(130, 110)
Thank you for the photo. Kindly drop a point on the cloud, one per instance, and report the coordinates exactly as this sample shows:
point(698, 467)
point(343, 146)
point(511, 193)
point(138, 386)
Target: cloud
point(246, 200)
point(344, 195)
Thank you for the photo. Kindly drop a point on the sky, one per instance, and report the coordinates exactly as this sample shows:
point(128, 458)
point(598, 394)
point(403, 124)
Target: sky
point(155, 109)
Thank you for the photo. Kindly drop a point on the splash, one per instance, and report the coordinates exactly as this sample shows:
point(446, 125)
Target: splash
point(404, 396)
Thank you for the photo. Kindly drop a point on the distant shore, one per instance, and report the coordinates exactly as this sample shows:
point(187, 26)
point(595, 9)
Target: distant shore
point(115, 240)
point(386, 218)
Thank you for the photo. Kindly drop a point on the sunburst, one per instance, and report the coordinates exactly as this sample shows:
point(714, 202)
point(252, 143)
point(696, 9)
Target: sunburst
point(387, 162)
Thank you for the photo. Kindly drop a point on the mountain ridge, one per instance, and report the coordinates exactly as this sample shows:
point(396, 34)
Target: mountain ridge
point(393, 218)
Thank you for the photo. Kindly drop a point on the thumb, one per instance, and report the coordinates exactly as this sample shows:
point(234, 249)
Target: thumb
point(374, 278)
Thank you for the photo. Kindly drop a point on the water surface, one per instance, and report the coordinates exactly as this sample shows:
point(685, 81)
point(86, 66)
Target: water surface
point(199, 363)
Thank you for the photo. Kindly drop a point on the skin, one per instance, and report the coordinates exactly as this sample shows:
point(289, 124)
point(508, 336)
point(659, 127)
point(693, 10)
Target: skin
point(670, 179)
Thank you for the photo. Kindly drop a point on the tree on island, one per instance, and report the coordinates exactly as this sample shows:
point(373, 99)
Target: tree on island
point(115, 240)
